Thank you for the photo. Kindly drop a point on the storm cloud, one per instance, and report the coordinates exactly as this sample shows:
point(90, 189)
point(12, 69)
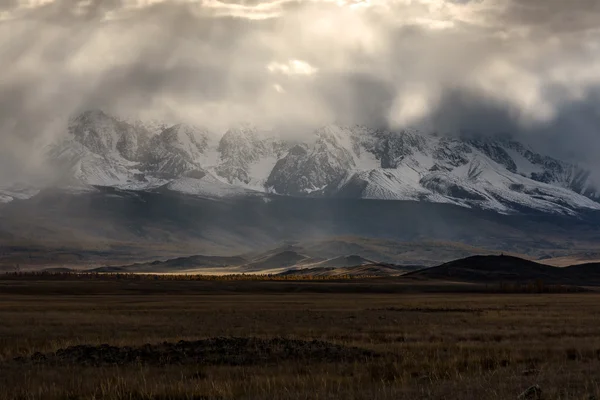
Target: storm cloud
point(526, 67)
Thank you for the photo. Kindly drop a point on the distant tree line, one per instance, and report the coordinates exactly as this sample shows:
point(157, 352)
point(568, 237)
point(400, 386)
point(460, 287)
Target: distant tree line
point(51, 275)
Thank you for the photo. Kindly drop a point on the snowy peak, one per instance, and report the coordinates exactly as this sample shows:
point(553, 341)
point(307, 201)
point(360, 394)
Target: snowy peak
point(103, 134)
point(496, 152)
point(392, 148)
point(247, 156)
point(311, 168)
point(487, 172)
point(242, 146)
point(176, 151)
point(338, 144)
point(522, 160)
point(185, 138)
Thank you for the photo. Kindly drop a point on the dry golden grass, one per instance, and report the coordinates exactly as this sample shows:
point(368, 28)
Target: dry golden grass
point(431, 346)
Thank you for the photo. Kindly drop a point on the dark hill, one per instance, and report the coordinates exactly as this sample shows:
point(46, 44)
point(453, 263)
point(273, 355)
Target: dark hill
point(495, 269)
point(587, 273)
point(590, 268)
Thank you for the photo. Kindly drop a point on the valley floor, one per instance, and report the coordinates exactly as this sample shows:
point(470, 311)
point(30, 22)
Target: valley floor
point(324, 345)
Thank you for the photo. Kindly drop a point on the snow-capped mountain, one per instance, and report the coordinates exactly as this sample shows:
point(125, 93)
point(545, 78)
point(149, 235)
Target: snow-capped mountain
point(176, 151)
point(311, 168)
point(247, 156)
point(348, 162)
point(101, 150)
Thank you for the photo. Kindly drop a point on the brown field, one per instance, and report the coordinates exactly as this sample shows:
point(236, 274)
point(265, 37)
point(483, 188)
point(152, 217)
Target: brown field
point(322, 342)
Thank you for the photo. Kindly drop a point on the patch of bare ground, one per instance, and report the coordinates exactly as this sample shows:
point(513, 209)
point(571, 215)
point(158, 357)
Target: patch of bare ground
point(380, 346)
point(214, 351)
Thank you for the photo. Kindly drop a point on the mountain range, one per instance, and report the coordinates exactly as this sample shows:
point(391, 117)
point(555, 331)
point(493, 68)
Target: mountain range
point(485, 172)
point(129, 191)
point(284, 261)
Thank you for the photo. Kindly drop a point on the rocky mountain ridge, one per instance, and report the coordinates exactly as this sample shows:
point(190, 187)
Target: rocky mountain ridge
point(485, 172)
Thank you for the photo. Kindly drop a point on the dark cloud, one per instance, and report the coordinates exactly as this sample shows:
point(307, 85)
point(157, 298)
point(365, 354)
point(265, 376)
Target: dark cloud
point(343, 94)
point(554, 16)
point(469, 113)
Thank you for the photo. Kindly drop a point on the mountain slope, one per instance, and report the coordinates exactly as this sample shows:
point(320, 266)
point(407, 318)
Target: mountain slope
point(175, 152)
point(106, 215)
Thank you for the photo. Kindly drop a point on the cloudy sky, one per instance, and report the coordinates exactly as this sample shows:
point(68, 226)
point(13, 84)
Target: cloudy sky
point(529, 67)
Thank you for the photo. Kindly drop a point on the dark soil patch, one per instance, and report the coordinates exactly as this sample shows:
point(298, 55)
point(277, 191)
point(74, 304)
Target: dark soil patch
point(216, 351)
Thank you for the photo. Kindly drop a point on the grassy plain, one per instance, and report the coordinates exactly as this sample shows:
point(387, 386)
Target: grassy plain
point(417, 345)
